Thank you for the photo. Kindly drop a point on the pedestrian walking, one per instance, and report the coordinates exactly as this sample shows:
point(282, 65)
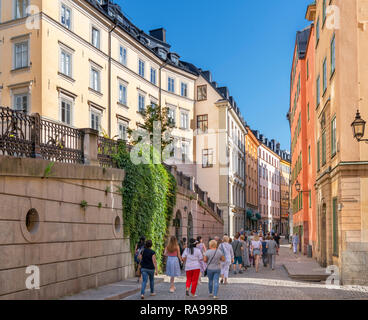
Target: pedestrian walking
point(213, 258)
point(172, 251)
point(201, 246)
point(237, 248)
point(277, 239)
point(264, 251)
point(272, 250)
point(148, 268)
point(244, 241)
point(256, 249)
point(192, 257)
point(295, 242)
point(228, 252)
point(138, 251)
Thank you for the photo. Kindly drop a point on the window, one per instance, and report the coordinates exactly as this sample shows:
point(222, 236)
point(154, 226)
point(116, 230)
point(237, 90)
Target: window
point(21, 55)
point(202, 93)
point(171, 116)
point(65, 16)
point(310, 199)
point(123, 129)
point(141, 68)
point(184, 151)
point(65, 63)
point(332, 55)
point(318, 92)
point(153, 75)
point(96, 37)
point(170, 84)
point(308, 111)
point(309, 154)
point(202, 123)
point(318, 156)
point(66, 111)
point(333, 136)
point(123, 55)
point(21, 102)
point(323, 148)
point(122, 93)
point(324, 75)
point(207, 158)
point(20, 8)
point(307, 69)
point(95, 119)
point(141, 103)
point(184, 90)
point(335, 228)
point(184, 120)
point(95, 79)
point(317, 32)
point(323, 12)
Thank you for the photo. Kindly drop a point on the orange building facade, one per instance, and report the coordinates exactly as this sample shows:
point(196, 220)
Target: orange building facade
point(301, 119)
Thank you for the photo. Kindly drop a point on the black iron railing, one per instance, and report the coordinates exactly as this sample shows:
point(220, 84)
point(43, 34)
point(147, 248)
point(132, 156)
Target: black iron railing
point(106, 148)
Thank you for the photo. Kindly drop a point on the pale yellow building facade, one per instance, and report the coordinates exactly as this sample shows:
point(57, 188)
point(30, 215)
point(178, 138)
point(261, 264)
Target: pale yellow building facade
point(70, 62)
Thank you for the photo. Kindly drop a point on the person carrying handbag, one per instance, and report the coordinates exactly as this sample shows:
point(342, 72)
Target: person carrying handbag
point(237, 248)
point(213, 271)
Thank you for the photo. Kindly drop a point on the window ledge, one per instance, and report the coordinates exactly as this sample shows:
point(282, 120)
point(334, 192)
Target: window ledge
point(122, 105)
point(21, 69)
point(95, 92)
point(332, 74)
point(66, 77)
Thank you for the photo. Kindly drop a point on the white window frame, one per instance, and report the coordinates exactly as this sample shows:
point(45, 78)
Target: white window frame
point(123, 101)
point(185, 150)
point(169, 84)
point(184, 114)
point(96, 112)
point(92, 82)
point(153, 71)
point(62, 4)
point(141, 63)
point(21, 93)
point(141, 95)
point(15, 67)
point(173, 110)
point(93, 27)
point(186, 89)
point(66, 99)
point(124, 124)
point(25, 6)
point(123, 59)
point(68, 52)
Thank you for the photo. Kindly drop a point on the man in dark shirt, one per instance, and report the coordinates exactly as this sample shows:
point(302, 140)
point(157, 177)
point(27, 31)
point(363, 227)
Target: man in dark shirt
point(237, 248)
point(277, 239)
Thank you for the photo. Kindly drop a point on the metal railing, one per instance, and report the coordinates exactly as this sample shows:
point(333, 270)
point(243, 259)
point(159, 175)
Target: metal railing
point(23, 135)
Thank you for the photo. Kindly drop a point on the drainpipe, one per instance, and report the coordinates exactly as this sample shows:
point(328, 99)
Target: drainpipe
point(228, 175)
point(159, 83)
point(109, 81)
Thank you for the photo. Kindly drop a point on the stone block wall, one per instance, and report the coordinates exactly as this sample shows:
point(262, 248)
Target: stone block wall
point(43, 223)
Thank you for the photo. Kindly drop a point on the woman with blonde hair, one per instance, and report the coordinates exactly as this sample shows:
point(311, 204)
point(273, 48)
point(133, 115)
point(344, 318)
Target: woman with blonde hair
point(256, 250)
point(213, 258)
point(172, 251)
point(228, 252)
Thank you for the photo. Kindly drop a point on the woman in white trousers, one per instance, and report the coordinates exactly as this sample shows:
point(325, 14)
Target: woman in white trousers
point(228, 252)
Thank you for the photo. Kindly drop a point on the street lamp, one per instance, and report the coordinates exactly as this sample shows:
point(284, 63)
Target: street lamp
point(358, 126)
point(298, 187)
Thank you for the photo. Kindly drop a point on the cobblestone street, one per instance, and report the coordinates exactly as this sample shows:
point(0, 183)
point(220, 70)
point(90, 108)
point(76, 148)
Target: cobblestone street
point(267, 284)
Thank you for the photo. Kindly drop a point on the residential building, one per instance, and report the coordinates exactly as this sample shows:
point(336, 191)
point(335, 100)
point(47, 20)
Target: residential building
point(269, 184)
point(303, 145)
point(251, 173)
point(285, 170)
point(341, 87)
point(86, 65)
point(219, 152)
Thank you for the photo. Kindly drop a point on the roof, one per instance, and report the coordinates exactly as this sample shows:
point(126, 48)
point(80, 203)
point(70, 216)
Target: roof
point(302, 41)
point(160, 48)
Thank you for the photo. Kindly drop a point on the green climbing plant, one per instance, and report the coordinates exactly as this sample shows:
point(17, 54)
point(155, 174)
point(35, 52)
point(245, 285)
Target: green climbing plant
point(149, 198)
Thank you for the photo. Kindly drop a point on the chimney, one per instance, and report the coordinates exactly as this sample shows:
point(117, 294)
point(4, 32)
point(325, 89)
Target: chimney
point(159, 34)
point(207, 74)
point(214, 83)
point(224, 92)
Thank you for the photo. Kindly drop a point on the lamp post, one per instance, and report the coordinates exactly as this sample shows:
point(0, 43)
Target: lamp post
point(358, 126)
point(298, 187)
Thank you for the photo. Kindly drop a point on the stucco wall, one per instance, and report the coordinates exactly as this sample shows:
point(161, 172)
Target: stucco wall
point(75, 248)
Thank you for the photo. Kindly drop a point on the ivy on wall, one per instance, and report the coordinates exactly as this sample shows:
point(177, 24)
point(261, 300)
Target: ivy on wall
point(149, 198)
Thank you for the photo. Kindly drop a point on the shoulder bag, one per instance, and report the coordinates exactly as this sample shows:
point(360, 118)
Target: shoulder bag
point(205, 271)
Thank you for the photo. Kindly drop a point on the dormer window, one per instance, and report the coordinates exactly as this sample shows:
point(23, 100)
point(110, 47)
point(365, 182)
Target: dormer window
point(162, 53)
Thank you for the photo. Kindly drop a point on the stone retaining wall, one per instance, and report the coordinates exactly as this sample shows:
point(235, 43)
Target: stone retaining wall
point(76, 247)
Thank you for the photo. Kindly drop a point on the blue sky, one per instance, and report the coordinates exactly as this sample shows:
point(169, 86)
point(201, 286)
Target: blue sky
point(246, 44)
